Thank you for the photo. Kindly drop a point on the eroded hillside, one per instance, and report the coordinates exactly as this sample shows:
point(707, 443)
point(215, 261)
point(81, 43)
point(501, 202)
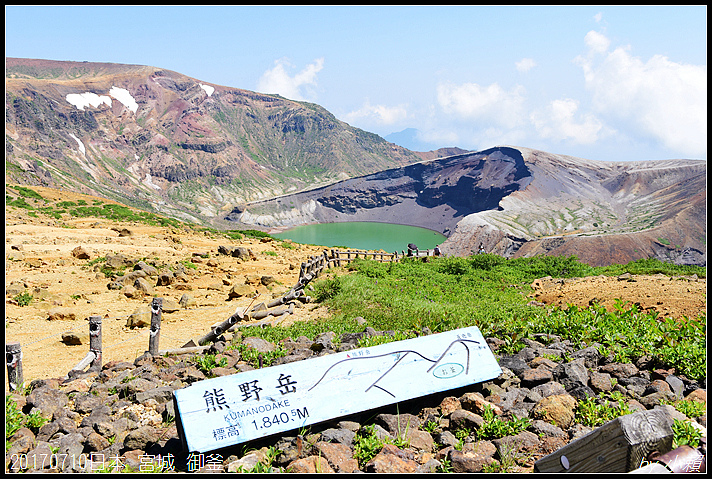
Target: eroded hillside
point(522, 202)
point(159, 140)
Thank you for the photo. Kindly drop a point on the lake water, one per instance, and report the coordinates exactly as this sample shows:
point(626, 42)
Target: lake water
point(364, 235)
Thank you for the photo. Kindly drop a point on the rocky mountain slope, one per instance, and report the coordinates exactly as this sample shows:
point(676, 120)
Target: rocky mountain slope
point(159, 140)
point(522, 202)
point(205, 153)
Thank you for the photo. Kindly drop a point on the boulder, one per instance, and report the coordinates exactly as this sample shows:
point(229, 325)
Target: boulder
point(557, 410)
point(142, 285)
point(340, 456)
point(80, 253)
point(140, 318)
point(170, 306)
point(146, 268)
point(240, 290)
point(392, 460)
point(141, 438)
point(118, 261)
point(61, 313)
point(310, 465)
point(187, 301)
point(72, 338)
point(474, 458)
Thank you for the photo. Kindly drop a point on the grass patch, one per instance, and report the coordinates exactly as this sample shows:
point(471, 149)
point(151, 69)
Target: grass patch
point(490, 292)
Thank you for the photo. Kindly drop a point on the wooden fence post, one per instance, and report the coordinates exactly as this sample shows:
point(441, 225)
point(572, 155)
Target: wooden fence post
point(95, 342)
point(155, 332)
point(13, 356)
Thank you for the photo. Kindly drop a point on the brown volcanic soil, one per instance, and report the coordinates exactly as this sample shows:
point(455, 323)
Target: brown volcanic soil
point(676, 297)
point(57, 279)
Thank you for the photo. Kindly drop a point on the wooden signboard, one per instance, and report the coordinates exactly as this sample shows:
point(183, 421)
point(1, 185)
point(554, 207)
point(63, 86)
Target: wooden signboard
point(215, 413)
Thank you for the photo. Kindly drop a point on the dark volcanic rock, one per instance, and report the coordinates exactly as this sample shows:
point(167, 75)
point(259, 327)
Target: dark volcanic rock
point(440, 431)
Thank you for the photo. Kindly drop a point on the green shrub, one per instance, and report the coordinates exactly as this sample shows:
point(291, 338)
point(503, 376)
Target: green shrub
point(15, 419)
point(442, 295)
point(486, 261)
point(23, 299)
point(685, 434)
point(207, 362)
point(327, 289)
point(27, 192)
point(592, 413)
point(690, 408)
point(494, 427)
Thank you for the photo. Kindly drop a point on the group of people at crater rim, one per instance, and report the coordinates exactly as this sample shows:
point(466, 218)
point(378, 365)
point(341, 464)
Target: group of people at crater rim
point(412, 248)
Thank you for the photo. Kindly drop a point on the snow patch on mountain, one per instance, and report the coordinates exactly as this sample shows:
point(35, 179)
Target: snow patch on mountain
point(124, 97)
point(81, 145)
point(83, 100)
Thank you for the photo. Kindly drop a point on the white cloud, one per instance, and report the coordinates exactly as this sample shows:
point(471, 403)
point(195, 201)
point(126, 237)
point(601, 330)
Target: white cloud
point(525, 64)
point(491, 103)
point(559, 122)
point(439, 137)
point(596, 42)
point(277, 80)
point(379, 114)
point(658, 98)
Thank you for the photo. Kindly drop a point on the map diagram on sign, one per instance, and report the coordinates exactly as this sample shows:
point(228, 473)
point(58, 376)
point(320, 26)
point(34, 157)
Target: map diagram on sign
point(428, 365)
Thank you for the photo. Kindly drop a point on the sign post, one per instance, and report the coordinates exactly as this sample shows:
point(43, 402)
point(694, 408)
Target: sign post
point(219, 412)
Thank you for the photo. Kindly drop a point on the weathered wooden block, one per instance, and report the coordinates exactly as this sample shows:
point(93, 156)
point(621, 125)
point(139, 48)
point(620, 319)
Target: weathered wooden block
point(621, 445)
point(228, 410)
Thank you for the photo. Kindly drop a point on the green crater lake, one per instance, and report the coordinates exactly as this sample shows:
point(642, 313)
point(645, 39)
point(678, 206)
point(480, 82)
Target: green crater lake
point(364, 235)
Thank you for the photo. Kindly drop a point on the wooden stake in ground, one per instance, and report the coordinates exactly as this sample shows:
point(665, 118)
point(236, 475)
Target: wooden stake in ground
point(155, 332)
point(13, 355)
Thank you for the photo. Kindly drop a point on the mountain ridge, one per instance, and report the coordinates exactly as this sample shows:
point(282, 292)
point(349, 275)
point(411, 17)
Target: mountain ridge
point(168, 143)
point(234, 145)
point(516, 201)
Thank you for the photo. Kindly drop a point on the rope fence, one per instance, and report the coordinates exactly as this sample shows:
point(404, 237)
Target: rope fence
point(261, 314)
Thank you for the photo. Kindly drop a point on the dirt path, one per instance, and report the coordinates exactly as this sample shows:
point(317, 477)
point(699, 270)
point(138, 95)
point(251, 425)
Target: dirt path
point(39, 260)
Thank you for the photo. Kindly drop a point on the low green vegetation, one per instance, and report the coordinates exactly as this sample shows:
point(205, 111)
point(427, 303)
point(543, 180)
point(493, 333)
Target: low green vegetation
point(257, 359)
point(80, 209)
point(685, 434)
point(593, 413)
point(23, 299)
point(239, 234)
point(495, 427)
point(690, 408)
point(367, 443)
point(207, 362)
point(491, 293)
point(16, 419)
point(442, 294)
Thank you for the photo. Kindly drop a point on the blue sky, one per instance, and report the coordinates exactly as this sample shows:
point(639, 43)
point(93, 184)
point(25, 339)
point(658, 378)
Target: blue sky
point(605, 83)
